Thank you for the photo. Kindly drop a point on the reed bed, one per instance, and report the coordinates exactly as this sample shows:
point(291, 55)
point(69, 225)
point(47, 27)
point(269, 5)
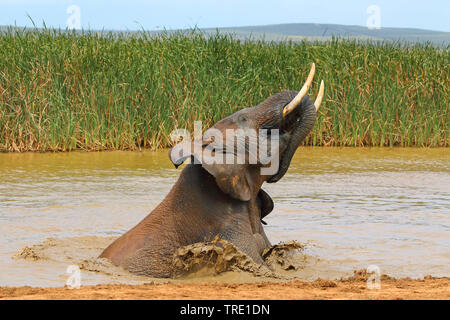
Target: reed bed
point(62, 91)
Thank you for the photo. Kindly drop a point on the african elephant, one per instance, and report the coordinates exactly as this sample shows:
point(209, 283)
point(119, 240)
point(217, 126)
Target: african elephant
point(219, 199)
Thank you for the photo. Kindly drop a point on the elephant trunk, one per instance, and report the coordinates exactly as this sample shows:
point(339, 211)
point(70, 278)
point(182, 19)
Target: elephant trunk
point(304, 124)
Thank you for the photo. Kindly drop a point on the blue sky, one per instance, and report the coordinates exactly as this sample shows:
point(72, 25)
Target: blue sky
point(173, 14)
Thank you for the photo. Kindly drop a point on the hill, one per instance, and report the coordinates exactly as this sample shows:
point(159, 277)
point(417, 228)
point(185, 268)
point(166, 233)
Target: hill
point(312, 31)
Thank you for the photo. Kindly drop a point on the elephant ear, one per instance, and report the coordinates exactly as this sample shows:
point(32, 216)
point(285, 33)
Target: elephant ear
point(232, 179)
point(180, 152)
point(265, 203)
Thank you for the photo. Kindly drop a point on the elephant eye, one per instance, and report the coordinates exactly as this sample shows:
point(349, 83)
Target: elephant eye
point(242, 118)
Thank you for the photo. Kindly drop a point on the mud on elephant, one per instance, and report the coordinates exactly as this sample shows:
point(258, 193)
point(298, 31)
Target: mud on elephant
point(221, 198)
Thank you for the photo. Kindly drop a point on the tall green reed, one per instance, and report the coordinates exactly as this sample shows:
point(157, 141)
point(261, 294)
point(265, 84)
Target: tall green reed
point(62, 91)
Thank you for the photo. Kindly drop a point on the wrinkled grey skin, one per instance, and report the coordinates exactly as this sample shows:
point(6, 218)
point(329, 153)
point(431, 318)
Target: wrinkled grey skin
point(210, 200)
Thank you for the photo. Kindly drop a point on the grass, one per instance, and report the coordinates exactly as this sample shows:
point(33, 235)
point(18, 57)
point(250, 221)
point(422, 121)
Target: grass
point(62, 91)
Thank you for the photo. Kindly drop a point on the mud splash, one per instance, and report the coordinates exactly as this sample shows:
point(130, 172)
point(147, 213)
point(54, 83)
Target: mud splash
point(217, 260)
point(220, 256)
point(82, 252)
point(68, 250)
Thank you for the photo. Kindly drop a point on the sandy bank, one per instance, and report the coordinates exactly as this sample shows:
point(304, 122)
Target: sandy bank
point(354, 287)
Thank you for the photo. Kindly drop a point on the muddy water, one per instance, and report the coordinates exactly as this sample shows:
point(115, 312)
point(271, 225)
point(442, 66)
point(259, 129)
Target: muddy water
point(351, 208)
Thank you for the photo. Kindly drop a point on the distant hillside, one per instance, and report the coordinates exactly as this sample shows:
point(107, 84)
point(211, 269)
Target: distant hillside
point(312, 31)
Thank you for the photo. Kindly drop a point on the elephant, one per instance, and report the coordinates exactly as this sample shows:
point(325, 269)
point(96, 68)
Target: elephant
point(212, 199)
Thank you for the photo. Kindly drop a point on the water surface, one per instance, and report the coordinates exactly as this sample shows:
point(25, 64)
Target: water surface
point(353, 207)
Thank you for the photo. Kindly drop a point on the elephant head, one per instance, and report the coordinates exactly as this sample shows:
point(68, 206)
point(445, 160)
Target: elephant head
point(227, 149)
point(219, 193)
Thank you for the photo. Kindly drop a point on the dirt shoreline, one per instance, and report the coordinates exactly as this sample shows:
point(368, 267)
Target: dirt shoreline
point(355, 287)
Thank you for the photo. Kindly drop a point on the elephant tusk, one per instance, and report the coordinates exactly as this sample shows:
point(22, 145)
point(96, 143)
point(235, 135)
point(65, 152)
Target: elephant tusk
point(298, 98)
point(319, 96)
